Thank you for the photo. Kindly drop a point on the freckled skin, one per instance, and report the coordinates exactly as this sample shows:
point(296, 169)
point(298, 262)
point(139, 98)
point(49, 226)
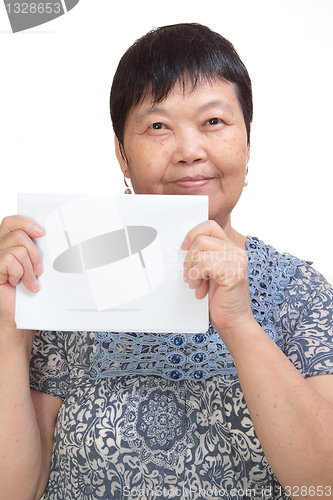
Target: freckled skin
point(197, 133)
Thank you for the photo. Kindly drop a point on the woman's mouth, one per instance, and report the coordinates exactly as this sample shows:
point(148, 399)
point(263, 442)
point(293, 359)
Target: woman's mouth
point(192, 182)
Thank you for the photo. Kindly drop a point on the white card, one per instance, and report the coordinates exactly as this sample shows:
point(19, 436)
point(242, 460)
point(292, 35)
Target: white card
point(112, 263)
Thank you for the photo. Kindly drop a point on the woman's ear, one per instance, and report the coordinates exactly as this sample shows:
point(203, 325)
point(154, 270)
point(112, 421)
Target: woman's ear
point(121, 157)
point(248, 153)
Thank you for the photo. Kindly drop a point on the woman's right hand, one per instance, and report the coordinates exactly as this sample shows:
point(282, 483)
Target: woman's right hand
point(19, 261)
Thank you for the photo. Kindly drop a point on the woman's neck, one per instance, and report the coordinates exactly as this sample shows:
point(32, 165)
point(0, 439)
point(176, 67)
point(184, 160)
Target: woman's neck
point(237, 238)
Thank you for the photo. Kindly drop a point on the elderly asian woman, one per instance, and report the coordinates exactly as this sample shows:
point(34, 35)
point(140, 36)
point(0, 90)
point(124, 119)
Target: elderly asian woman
point(247, 409)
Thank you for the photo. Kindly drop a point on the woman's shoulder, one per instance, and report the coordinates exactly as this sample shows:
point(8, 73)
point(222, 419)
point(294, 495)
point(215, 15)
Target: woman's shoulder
point(262, 253)
point(285, 269)
point(270, 271)
point(285, 282)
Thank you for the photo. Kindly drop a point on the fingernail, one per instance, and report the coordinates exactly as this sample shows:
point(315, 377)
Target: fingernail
point(184, 245)
point(36, 286)
point(39, 230)
point(39, 270)
point(185, 277)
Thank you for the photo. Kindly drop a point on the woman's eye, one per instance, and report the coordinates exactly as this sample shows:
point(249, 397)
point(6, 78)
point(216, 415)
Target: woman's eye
point(214, 121)
point(157, 126)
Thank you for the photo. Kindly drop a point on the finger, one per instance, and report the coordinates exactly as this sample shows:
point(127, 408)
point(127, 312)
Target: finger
point(201, 285)
point(15, 266)
point(200, 272)
point(19, 238)
point(15, 222)
point(225, 274)
point(202, 290)
point(204, 248)
point(208, 228)
point(214, 250)
point(11, 270)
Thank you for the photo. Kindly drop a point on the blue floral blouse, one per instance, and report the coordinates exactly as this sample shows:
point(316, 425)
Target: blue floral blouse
point(149, 434)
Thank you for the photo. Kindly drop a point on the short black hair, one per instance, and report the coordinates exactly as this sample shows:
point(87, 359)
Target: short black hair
point(171, 54)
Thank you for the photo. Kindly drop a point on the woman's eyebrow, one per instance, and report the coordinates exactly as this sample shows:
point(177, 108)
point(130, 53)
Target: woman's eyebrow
point(216, 103)
point(149, 111)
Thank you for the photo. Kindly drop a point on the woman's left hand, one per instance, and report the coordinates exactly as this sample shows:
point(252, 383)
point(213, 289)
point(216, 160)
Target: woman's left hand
point(215, 265)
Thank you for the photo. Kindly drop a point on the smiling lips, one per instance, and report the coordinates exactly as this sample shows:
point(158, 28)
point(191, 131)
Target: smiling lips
point(190, 182)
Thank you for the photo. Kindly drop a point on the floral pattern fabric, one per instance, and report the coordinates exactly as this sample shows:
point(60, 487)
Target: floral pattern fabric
point(148, 437)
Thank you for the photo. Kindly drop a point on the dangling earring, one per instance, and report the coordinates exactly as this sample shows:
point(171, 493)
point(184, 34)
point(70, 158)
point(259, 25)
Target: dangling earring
point(246, 181)
point(128, 189)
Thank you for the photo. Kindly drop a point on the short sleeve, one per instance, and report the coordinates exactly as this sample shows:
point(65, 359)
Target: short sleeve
point(307, 319)
point(49, 370)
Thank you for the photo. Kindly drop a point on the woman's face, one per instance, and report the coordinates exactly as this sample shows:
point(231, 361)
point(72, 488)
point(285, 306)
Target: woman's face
point(193, 142)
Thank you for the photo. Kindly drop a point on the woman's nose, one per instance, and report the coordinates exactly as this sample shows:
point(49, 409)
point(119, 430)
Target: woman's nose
point(189, 148)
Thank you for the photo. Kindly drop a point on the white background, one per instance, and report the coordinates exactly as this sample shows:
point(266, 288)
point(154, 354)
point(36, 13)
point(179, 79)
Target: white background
point(56, 134)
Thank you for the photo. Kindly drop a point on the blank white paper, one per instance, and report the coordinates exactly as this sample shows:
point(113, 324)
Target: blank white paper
point(112, 263)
